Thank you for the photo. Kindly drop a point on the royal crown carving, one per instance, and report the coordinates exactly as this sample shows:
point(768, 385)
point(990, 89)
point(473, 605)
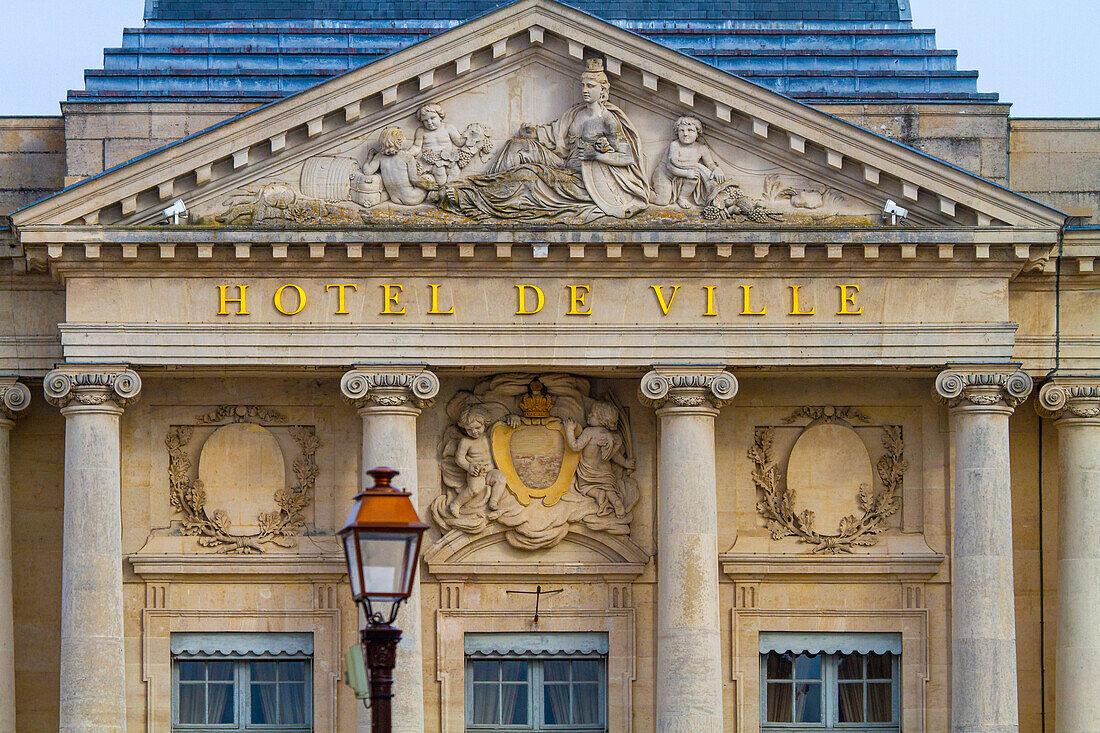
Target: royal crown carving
point(91, 386)
point(982, 387)
point(687, 389)
point(389, 388)
point(1068, 397)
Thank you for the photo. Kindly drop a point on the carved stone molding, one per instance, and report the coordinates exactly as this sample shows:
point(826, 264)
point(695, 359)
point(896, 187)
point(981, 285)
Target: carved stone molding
point(827, 413)
point(14, 398)
point(240, 413)
point(92, 386)
point(1069, 397)
point(983, 386)
point(687, 387)
point(389, 387)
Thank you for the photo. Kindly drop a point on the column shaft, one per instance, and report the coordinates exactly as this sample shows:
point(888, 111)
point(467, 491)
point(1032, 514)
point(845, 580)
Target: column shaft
point(7, 608)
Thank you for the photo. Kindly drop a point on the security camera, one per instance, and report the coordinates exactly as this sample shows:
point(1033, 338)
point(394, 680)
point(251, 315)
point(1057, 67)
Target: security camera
point(893, 212)
point(175, 211)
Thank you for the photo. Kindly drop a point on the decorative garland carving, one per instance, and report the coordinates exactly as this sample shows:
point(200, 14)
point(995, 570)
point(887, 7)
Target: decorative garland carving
point(827, 412)
point(784, 520)
point(240, 413)
point(187, 495)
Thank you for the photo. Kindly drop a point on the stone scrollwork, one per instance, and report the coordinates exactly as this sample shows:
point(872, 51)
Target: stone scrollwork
point(982, 387)
point(14, 398)
point(91, 386)
point(778, 506)
point(1070, 398)
point(386, 388)
point(687, 389)
point(536, 456)
point(827, 412)
point(240, 413)
point(188, 496)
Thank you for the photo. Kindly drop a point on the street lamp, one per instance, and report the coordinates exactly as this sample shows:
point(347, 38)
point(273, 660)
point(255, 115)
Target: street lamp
point(382, 546)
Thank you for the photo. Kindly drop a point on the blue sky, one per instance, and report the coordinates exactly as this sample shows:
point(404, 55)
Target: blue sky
point(1041, 57)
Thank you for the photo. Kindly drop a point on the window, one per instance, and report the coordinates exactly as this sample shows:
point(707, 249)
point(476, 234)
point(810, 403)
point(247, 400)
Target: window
point(536, 682)
point(847, 682)
point(239, 682)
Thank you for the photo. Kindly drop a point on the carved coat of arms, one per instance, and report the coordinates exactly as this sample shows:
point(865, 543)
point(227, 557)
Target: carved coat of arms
point(536, 456)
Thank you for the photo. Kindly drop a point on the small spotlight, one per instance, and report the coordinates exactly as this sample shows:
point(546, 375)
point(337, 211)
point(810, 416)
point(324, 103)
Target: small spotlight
point(893, 212)
point(175, 211)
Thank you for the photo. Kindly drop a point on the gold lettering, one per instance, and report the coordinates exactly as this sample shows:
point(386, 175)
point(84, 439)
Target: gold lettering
point(279, 300)
point(710, 300)
point(435, 302)
point(242, 307)
point(796, 309)
point(540, 299)
point(577, 294)
point(659, 291)
point(390, 294)
point(341, 310)
point(847, 299)
point(746, 299)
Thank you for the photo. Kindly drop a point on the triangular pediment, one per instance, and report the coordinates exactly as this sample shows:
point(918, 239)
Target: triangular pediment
point(312, 159)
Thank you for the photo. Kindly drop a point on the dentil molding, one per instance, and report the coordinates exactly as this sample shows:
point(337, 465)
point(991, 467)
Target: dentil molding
point(983, 386)
point(389, 386)
point(91, 386)
point(1070, 397)
point(687, 387)
point(14, 398)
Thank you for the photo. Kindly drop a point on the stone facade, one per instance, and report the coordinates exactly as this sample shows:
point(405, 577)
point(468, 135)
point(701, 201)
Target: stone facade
point(634, 332)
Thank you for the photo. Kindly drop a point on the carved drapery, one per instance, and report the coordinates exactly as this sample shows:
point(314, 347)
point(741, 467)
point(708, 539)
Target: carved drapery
point(687, 388)
point(983, 386)
point(91, 386)
point(416, 387)
point(186, 493)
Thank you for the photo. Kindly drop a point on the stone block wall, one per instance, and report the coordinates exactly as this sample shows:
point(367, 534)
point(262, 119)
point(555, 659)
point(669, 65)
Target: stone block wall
point(32, 160)
point(1057, 161)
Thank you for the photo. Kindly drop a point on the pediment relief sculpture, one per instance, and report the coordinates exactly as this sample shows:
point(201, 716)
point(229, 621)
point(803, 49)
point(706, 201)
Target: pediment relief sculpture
point(238, 499)
point(828, 469)
point(535, 457)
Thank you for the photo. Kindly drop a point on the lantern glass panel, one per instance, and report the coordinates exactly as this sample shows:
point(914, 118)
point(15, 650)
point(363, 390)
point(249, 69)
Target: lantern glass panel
point(386, 561)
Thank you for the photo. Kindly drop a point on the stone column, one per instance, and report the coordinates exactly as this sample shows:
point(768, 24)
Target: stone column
point(389, 400)
point(689, 643)
point(93, 679)
point(983, 615)
point(1074, 404)
point(14, 398)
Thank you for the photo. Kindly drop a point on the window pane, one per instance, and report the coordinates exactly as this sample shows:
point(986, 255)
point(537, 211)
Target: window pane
point(514, 671)
point(264, 699)
point(779, 666)
point(586, 704)
point(192, 704)
point(851, 667)
point(292, 671)
point(485, 671)
point(263, 672)
point(807, 667)
point(555, 671)
point(222, 671)
point(486, 702)
point(879, 703)
point(586, 670)
point(807, 702)
point(555, 704)
point(292, 703)
point(851, 702)
point(192, 671)
point(513, 702)
point(880, 666)
point(779, 702)
point(221, 703)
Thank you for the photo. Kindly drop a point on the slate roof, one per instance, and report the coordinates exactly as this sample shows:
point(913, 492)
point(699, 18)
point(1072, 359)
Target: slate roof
point(261, 50)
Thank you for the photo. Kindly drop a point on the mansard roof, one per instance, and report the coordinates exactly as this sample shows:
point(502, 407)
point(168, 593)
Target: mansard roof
point(261, 50)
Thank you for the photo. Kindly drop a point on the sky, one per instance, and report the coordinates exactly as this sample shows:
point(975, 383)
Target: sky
point(1041, 57)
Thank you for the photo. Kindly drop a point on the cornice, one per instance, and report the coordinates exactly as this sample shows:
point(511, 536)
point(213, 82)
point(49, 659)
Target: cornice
point(389, 386)
point(1069, 398)
point(687, 387)
point(985, 386)
point(92, 386)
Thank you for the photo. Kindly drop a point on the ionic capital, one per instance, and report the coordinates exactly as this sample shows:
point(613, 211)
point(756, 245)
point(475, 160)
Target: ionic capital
point(14, 398)
point(387, 386)
point(983, 386)
point(92, 386)
point(1070, 397)
point(710, 387)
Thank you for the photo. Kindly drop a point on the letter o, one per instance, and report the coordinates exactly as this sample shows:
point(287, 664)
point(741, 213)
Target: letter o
point(279, 300)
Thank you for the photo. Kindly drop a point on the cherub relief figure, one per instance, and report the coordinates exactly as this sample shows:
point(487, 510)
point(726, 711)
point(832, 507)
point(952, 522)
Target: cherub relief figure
point(600, 472)
point(474, 455)
point(689, 172)
point(397, 169)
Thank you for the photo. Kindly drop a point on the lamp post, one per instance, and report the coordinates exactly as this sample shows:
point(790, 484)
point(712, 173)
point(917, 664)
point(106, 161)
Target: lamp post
point(382, 546)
